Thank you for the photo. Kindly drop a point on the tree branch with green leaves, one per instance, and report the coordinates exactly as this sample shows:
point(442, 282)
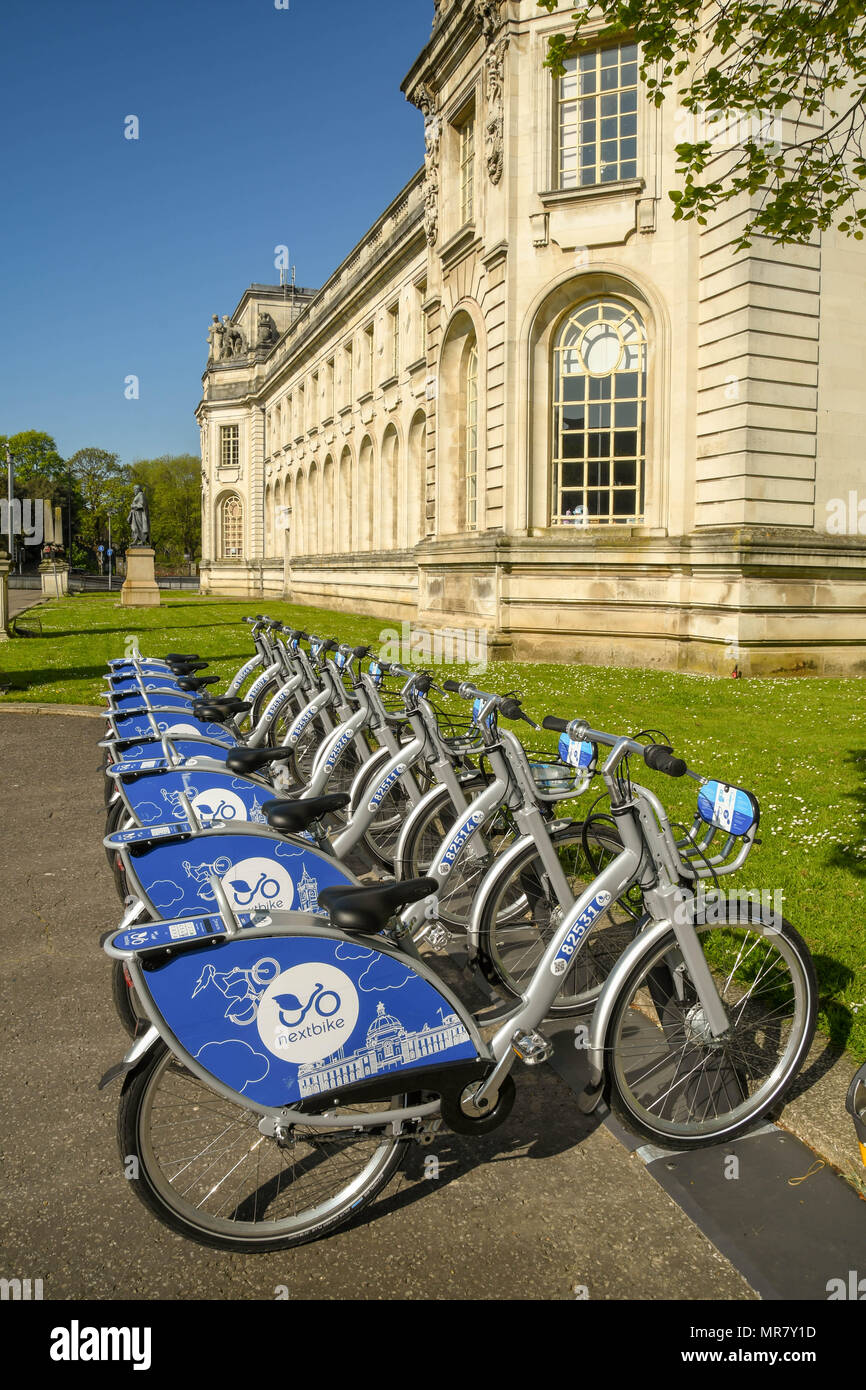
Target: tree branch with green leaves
point(791, 72)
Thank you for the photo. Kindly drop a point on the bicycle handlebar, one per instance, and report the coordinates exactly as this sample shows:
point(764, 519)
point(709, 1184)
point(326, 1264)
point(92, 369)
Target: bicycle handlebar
point(656, 756)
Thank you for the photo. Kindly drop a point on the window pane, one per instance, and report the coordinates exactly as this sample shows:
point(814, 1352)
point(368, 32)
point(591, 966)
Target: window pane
point(598, 464)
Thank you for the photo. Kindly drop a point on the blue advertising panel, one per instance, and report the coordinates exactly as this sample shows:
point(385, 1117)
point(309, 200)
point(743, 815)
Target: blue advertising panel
point(175, 725)
point(257, 873)
point(285, 1018)
point(214, 797)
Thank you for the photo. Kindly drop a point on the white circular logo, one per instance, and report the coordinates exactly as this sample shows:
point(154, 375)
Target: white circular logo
point(307, 1013)
point(258, 884)
point(178, 728)
point(212, 804)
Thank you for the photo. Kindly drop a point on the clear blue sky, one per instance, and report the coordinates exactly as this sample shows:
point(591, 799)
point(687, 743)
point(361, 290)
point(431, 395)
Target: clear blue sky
point(258, 127)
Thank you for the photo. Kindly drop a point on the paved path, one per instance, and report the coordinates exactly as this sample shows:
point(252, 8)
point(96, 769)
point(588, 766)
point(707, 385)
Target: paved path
point(20, 599)
point(548, 1202)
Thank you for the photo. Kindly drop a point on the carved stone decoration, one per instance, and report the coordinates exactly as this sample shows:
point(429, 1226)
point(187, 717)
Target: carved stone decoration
point(267, 328)
point(215, 336)
point(231, 339)
point(494, 126)
point(488, 13)
point(425, 100)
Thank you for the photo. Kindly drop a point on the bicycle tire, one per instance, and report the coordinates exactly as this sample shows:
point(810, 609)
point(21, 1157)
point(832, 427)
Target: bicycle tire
point(190, 1106)
point(649, 1009)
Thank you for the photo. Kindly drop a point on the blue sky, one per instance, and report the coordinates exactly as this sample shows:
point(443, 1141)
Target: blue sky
point(256, 124)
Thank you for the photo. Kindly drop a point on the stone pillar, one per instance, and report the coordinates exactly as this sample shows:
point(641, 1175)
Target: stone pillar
point(140, 588)
point(5, 565)
point(55, 578)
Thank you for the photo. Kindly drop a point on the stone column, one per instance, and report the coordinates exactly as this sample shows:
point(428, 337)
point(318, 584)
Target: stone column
point(140, 588)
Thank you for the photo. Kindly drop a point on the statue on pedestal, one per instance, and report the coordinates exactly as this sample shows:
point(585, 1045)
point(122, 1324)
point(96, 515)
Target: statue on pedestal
point(139, 518)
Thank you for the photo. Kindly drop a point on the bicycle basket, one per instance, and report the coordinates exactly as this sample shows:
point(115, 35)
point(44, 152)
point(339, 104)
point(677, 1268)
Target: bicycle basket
point(569, 775)
point(725, 811)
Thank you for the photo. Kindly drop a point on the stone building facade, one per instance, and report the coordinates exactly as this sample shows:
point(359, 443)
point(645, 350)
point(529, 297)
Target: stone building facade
point(530, 401)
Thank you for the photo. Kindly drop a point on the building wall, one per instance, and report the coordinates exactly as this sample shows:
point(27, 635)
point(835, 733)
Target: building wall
point(754, 400)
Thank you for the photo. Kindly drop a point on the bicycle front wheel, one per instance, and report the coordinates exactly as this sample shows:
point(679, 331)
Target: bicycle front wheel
point(670, 1078)
point(206, 1171)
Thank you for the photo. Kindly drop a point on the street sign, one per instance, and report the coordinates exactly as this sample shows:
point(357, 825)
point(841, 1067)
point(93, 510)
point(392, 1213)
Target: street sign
point(99, 549)
point(110, 551)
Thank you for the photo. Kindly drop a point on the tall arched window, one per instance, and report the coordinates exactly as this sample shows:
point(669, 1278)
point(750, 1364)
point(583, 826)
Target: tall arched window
point(231, 529)
point(599, 427)
point(470, 439)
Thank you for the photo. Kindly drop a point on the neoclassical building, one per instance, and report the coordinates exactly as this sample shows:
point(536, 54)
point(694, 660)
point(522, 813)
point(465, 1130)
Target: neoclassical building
point(529, 401)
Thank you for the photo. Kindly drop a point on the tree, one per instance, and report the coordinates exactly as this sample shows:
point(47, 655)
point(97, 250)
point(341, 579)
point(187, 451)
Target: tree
point(793, 70)
point(104, 488)
point(40, 472)
point(173, 488)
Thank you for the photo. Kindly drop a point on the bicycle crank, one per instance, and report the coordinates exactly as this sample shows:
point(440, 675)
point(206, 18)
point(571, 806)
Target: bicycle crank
point(461, 1114)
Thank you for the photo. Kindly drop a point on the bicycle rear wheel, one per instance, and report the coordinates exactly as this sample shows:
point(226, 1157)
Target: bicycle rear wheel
point(670, 1079)
point(523, 913)
point(206, 1171)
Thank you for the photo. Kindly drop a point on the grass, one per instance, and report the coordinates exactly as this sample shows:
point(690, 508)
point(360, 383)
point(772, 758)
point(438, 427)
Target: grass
point(800, 745)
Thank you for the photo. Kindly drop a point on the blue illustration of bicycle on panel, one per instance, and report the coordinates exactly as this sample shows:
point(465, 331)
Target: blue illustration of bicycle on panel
point(242, 988)
point(201, 873)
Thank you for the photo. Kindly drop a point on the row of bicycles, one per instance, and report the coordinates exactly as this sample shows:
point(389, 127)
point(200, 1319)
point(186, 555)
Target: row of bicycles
point(303, 858)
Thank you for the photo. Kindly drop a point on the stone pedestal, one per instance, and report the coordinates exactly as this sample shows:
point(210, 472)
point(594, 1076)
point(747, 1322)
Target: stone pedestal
point(5, 565)
point(140, 588)
point(55, 578)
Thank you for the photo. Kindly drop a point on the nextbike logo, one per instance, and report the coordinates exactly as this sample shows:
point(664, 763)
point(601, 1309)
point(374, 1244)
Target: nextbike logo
point(338, 748)
point(258, 884)
point(384, 787)
point(300, 724)
point(466, 831)
point(307, 1013)
point(578, 932)
point(217, 806)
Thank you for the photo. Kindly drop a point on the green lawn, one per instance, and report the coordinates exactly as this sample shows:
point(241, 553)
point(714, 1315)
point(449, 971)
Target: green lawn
point(800, 745)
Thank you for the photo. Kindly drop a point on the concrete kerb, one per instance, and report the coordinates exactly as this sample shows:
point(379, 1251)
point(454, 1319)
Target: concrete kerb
point(25, 707)
point(816, 1114)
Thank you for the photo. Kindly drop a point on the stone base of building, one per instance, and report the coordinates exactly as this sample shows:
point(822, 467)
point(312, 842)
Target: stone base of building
point(770, 601)
point(140, 588)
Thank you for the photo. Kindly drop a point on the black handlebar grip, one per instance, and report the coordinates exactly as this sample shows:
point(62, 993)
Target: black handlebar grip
point(511, 709)
point(453, 686)
point(423, 683)
point(557, 726)
point(662, 759)
point(361, 652)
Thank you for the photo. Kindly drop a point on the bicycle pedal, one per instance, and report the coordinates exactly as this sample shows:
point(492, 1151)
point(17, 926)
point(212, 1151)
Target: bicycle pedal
point(438, 938)
point(533, 1047)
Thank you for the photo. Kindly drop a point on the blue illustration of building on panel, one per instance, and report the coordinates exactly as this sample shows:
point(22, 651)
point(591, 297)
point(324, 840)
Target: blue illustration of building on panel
point(388, 1046)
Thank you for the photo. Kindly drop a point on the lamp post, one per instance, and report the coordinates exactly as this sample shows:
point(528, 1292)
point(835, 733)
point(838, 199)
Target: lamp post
point(110, 551)
point(10, 529)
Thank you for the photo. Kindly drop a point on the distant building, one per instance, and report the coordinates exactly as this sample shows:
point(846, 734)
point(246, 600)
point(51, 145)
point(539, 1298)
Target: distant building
point(529, 401)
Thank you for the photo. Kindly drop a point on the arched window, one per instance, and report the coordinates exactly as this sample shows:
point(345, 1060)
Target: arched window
point(231, 528)
point(470, 439)
point(599, 407)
